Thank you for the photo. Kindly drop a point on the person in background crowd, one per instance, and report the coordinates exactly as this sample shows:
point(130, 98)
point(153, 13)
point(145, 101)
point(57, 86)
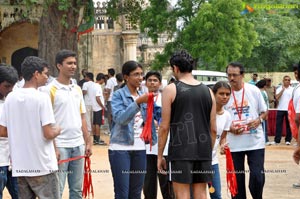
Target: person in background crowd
point(254, 80)
point(271, 90)
point(283, 96)
point(109, 88)
point(120, 80)
point(261, 84)
point(87, 88)
point(83, 73)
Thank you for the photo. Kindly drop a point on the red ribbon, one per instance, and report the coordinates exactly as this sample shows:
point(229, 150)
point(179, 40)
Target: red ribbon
point(70, 159)
point(87, 182)
point(230, 176)
point(147, 130)
point(102, 121)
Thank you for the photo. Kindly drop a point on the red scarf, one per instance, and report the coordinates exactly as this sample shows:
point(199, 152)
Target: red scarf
point(230, 176)
point(147, 130)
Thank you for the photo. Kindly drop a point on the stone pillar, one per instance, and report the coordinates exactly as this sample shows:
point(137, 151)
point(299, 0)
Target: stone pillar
point(130, 39)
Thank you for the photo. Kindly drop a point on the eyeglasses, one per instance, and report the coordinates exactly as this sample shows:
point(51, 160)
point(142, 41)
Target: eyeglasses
point(233, 75)
point(136, 75)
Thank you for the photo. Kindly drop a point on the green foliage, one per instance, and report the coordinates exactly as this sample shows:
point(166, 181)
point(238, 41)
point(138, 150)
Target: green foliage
point(279, 36)
point(131, 9)
point(219, 33)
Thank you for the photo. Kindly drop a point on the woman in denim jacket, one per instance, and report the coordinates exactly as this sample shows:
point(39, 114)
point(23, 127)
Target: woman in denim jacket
point(127, 151)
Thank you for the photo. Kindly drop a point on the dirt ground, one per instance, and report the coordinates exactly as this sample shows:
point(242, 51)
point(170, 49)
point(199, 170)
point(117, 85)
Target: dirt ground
point(281, 173)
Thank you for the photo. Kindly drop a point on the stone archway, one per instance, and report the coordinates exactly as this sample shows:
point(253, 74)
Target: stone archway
point(19, 35)
point(19, 55)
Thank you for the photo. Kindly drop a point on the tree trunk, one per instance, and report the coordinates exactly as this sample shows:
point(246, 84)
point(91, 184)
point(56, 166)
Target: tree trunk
point(53, 36)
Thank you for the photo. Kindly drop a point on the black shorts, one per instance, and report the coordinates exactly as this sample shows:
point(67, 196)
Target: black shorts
point(188, 172)
point(97, 117)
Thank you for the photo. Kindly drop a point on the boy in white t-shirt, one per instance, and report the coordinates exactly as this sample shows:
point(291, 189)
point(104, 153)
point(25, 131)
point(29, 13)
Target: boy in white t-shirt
point(8, 78)
point(31, 133)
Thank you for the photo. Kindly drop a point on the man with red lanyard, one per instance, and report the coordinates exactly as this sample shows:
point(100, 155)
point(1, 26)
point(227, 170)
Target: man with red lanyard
point(246, 136)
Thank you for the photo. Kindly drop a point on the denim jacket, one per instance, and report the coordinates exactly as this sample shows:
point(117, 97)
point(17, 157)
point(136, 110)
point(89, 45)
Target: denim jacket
point(124, 108)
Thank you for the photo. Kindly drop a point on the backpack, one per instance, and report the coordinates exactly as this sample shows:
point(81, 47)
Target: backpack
point(292, 116)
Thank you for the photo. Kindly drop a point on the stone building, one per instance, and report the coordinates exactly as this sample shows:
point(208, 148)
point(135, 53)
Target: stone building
point(108, 46)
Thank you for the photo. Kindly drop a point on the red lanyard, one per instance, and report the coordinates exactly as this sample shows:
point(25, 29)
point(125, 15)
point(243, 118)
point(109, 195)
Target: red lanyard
point(239, 110)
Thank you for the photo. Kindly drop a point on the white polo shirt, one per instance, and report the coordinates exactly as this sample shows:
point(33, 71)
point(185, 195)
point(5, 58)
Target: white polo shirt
point(68, 105)
point(24, 113)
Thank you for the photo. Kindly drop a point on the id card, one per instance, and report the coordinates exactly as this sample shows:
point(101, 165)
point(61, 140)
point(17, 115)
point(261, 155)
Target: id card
point(241, 124)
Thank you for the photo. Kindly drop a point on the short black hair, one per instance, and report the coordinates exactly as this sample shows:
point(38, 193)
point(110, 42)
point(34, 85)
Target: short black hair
point(236, 64)
point(32, 64)
point(261, 83)
point(119, 77)
point(111, 71)
point(62, 55)
point(90, 75)
point(100, 76)
point(8, 74)
point(183, 60)
point(153, 73)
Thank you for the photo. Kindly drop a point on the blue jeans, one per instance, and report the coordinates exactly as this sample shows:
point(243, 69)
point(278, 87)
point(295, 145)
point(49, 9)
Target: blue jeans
point(73, 169)
point(256, 159)
point(128, 170)
point(11, 183)
point(216, 183)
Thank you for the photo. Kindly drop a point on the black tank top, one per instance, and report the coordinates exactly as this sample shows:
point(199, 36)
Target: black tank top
point(190, 137)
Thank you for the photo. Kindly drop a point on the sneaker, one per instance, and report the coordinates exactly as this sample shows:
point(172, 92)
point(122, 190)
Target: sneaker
point(101, 143)
point(274, 143)
point(296, 185)
point(287, 143)
point(268, 143)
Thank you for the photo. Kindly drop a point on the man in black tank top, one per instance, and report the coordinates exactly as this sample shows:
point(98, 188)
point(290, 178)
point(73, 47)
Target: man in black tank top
point(188, 113)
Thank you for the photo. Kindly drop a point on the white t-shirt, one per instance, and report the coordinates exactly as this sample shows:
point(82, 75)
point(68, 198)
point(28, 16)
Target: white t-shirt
point(252, 106)
point(88, 87)
point(96, 92)
point(24, 113)
point(68, 105)
point(285, 98)
point(19, 84)
point(4, 149)
point(223, 124)
point(154, 149)
point(111, 83)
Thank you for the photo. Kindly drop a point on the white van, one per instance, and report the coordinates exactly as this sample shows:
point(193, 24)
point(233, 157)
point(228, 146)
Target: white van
point(209, 77)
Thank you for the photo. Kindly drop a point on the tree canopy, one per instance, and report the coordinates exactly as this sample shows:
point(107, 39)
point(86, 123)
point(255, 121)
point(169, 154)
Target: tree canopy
point(217, 32)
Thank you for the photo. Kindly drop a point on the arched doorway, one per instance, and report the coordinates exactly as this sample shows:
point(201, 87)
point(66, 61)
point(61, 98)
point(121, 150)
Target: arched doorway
point(19, 55)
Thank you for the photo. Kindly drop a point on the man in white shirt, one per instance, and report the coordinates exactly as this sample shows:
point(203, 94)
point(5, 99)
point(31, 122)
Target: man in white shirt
point(246, 137)
point(97, 97)
point(8, 78)
point(109, 88)
point(31, 133)
point(69, 111)
point(86, 89)
point(283, 96)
